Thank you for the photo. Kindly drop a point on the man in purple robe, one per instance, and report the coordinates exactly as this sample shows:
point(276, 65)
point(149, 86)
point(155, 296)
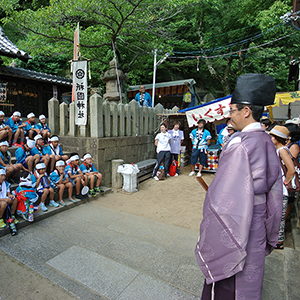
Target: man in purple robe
point(242, 208)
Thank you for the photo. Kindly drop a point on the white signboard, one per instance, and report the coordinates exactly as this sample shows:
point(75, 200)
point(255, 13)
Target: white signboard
point(80, 91)
point(210, 112)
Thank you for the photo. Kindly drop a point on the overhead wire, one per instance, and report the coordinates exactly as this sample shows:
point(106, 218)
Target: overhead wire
point(257, 36)
point(235, 52)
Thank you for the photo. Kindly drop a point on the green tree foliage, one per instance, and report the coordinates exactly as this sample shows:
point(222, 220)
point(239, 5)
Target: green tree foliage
point(212, 41)
point(134, 26)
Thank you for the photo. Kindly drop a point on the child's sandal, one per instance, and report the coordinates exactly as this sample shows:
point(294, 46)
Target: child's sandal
point(72, 200)
point(62, 203)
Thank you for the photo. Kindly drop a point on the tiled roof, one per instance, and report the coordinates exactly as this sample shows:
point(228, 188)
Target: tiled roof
point(27, 74)
point(7, 48)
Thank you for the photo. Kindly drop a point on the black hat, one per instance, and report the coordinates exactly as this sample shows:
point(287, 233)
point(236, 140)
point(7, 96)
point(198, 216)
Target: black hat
point(201, 121)
point(254, 89)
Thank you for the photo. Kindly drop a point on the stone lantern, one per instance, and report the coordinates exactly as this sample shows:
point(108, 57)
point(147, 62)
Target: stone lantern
point(110, 76)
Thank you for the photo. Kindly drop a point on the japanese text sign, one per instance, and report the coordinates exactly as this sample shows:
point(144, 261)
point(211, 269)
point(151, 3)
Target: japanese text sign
point(217, 110)
point(80, 90)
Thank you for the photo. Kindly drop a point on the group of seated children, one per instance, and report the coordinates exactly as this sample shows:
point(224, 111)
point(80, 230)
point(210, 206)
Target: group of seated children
point(38, 185)
point(14, 130)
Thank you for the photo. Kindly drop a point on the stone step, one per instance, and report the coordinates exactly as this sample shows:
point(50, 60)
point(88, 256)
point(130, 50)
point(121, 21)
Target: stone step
point(292, 273)
point(292, 263)
point(53, 211)
point(14, 160)
point(12, 151)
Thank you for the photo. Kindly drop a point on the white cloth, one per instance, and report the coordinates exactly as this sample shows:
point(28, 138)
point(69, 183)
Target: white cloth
point(163, 142)
point(175, 133)
point(225, 131)
point(285, 191)
point(30, 143)
point(3, 192)
point(55, 151)
point(237, 139)
point(30, 115)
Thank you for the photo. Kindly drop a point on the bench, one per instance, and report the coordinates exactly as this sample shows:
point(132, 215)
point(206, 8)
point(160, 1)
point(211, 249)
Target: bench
point(146, 169)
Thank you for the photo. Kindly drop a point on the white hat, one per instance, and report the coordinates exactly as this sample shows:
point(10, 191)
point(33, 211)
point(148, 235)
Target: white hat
point(60, 163)
point(40, 166)
point(2, 172)
point(30, 115)
point(74, 157)
point(4, 143)
point(17, 113)
point(30, 143)
point(54, 138)
point(86, 156)
point(2, 113)
point(38, 136)
point(293, 121)
point(42, 117)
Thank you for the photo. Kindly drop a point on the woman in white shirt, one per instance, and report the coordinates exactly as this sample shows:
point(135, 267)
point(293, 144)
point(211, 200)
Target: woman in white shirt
point(162, 142)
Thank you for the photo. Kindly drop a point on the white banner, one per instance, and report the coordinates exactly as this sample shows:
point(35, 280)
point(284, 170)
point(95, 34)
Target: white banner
point(210, 112)
point(80, 91)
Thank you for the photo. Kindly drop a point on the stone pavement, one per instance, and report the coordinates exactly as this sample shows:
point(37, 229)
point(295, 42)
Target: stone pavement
point(98, 253)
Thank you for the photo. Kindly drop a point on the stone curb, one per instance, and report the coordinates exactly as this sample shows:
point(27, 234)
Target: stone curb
point(53, 211)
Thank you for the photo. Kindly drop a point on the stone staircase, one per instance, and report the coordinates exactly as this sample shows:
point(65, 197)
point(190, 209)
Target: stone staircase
point(51, 210)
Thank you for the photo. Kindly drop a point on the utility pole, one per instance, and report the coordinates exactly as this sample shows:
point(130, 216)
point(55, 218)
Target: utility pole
point(154, 72)
point(154, 77)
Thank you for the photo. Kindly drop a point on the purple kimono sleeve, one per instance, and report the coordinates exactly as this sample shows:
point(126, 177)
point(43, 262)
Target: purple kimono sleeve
point(227, 216)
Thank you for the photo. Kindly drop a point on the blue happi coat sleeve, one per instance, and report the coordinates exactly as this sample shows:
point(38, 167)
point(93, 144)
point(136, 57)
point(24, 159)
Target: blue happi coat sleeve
point(20, 155)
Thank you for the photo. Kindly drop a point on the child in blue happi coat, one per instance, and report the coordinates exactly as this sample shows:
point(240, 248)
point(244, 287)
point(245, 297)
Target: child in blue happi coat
point(31, 128)
point(76, 176)
point(40, 150)
point(24, 156)
point(6, 198)
point(15, 123)
point(26, 195)
point(5, 131)
point(92, 174)
point(56, 150)
point(61, 179)
point(44, 128)
point(43, 186)
point(12, 170)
